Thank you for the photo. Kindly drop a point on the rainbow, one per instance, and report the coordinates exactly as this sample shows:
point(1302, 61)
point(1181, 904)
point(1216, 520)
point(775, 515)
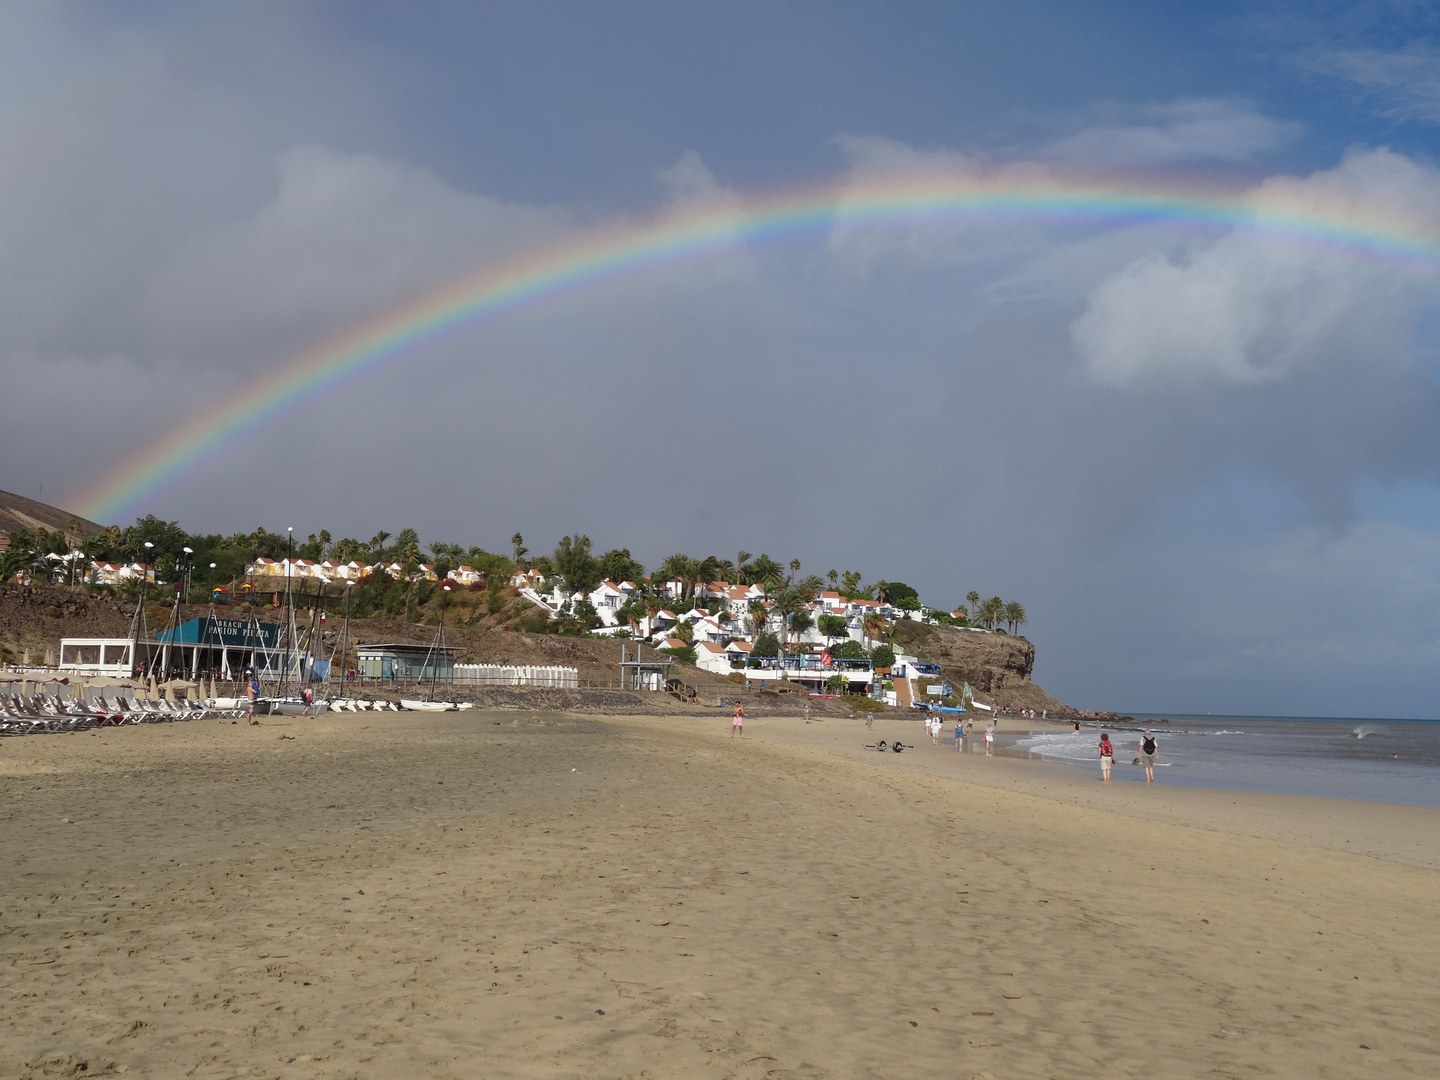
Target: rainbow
point(408, 331)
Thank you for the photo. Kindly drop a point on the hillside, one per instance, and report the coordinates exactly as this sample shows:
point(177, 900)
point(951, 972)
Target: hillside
point(35, 617)
point(18, 512)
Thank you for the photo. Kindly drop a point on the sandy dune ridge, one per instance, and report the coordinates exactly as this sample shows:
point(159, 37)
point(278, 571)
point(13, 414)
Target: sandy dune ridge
point(486, 895)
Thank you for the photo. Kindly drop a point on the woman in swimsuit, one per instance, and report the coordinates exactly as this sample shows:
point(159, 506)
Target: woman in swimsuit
point(737, 724)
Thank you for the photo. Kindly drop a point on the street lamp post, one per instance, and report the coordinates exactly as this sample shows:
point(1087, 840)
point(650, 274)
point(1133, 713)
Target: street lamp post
point(189, 561)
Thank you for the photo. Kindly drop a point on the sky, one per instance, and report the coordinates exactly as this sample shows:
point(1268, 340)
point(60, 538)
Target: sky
point(1207, 464)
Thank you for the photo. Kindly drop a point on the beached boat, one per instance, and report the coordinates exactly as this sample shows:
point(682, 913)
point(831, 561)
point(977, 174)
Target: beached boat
point(289, 706)
point(430, 706)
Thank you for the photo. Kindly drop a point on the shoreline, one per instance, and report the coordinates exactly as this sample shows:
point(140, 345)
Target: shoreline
point(545, 895)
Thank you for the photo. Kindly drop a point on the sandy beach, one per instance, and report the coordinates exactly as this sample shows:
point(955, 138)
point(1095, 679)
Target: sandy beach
point(496, 895)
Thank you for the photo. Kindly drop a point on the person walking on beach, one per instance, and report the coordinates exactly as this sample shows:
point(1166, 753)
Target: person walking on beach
point(990, 739)
point(935, 730)
point(737, 724)
point(1107, 756)
point(253, 693)
point(959, 735)
point(1149, 750)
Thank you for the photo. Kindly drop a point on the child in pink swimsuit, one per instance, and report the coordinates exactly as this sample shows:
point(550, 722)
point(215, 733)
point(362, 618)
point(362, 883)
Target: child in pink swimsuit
point(738, 724)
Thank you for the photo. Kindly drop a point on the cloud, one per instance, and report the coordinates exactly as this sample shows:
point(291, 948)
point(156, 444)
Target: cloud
point(1403, 84)
point(689, 184)
point(1185, 131)
point(343, 236)
point(1246, 310)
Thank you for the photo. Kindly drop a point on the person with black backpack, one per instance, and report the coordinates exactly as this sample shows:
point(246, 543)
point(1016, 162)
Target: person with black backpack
point(1149, 750)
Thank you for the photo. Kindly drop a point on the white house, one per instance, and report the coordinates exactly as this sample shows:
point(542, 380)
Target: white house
point(711, 657)
point(465, 575)
point(607, 598)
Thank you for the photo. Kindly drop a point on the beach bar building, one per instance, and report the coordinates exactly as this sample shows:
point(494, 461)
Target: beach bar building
point(407, 663)
point(224, 647)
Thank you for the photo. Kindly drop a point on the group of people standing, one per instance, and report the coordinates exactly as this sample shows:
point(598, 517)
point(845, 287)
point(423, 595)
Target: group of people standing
point(1146, 755)
point(935, 725)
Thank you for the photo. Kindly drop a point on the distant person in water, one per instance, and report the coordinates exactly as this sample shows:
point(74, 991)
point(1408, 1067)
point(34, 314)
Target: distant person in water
point(1149, 750)
point(737, 723)
point(1107, 756)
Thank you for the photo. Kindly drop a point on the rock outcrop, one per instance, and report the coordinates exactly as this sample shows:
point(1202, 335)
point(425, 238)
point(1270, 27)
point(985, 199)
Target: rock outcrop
point(997, 666)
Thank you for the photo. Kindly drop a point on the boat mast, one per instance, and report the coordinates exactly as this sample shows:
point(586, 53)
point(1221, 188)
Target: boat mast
point(437, 650)
point(288, 628)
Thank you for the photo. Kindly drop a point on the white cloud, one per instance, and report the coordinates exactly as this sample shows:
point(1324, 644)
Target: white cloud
point(689, 184)
point(1191, 130)
point(1247, 310)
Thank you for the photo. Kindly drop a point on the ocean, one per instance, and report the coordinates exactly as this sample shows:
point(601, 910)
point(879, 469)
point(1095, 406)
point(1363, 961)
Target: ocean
point(1390, 761)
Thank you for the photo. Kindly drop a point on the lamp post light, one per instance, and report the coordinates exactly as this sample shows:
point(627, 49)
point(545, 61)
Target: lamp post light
point(145, 569)
point(189, 562)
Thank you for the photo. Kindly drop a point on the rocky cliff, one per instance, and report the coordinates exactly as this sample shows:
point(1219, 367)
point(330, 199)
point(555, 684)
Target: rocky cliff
point(997, 666)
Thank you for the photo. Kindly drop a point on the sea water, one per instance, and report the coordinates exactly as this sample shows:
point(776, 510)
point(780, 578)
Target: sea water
point(1393, 761)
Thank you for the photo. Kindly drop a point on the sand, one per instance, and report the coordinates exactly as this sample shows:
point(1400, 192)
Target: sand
point(489, 896)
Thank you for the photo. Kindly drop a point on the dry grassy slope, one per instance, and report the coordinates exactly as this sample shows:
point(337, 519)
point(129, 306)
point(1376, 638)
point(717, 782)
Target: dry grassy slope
point(17, 512)
point(997, 666)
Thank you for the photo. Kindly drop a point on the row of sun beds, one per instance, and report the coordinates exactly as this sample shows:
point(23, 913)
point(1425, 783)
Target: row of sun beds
point(34, 714)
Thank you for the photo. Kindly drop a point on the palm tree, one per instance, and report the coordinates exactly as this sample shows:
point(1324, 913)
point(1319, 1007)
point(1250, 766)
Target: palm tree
point(741, 570)
point(794, 568)
point(517, 546)
point(377, 542)
point(992, 611)
point(766, 573)
point(873, 625)
point(973, 599)
point(1015, 615)
point(758, 615)
point(788, 602)
point(832, 626)
point(833, 577)
point(653, 607)
point(12, 561)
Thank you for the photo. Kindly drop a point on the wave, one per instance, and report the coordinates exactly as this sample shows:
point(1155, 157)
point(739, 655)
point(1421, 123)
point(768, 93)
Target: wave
point(1364, 730)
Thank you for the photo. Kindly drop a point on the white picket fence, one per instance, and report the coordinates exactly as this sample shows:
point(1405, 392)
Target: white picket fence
point(565, 678)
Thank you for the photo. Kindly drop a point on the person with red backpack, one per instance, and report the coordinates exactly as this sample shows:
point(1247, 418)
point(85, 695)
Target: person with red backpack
point(1107, 756)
